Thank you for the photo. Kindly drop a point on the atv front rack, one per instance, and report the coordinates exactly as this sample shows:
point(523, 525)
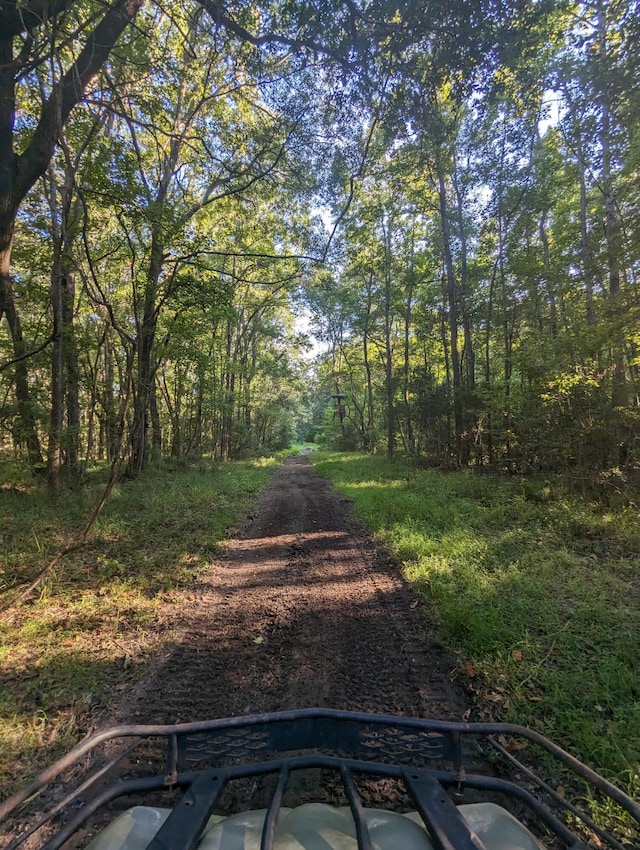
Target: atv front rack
point(425, 757)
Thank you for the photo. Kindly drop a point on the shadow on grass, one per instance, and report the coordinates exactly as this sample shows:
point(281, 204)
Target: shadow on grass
point(541, 596)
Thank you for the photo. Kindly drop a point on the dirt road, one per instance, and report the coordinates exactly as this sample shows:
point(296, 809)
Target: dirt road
point(303, 610)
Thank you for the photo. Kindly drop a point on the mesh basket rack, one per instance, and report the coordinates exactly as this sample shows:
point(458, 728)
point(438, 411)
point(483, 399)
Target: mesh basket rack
point(427, 758)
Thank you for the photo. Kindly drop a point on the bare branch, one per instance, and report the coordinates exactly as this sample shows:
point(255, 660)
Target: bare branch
point(7, 363)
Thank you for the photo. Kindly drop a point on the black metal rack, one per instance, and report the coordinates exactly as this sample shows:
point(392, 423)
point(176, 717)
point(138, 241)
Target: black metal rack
point(426, 757)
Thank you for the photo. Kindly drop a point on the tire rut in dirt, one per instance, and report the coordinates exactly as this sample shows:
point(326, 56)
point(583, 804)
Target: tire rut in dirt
point(302, 611)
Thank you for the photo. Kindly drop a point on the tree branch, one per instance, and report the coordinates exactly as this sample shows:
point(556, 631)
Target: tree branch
point(69, 91)
point(16, 20)
point(7, 363)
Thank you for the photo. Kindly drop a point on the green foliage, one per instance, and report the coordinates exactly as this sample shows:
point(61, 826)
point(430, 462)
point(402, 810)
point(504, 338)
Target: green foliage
point(484, 244)
point(504, 222)
point(104, 612)
point(534, 588)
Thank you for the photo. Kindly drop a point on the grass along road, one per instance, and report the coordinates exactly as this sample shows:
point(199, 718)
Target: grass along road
point(538, 592)
point(89, 633)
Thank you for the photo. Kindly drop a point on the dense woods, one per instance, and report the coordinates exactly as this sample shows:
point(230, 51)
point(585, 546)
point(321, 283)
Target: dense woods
point(449, 195)
point(404, 230)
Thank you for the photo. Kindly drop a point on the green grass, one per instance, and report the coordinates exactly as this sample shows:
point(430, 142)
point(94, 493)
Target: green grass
point(537, 591)
point(93, 625)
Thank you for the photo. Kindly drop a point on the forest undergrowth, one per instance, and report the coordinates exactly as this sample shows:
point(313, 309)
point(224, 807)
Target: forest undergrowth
point(537, 591)
point(98, 619)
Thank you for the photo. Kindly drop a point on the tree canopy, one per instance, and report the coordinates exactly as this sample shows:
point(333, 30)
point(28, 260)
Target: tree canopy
point(448, 192)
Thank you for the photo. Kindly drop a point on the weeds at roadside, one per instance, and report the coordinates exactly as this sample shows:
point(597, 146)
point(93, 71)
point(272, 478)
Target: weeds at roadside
point(538, 594)
point(88, 633)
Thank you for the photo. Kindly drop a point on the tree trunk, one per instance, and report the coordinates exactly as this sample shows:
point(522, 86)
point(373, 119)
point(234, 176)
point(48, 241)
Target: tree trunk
point(469, 352)
point(447, 368)
point(388, 362)
point(28, 432)
point(462, 449)
point(109, 402)
point(54, 452)
point(507, 338)
point(612, 228)
point(139, 457)
point(588, 270)
point(156, 425)
point(228, 397)
point(371, 435)
point(411, 442)
point(63, 449)
point(19, 173)
point(542, 229)
point(196, 430)
point(72, 371)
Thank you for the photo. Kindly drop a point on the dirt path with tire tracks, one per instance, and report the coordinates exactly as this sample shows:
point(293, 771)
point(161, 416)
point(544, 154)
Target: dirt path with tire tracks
point(303, 610)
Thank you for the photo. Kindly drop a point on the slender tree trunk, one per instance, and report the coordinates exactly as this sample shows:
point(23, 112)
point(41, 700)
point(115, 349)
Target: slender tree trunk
point(177, 447)
point(542, 229)
point(228, 397)
point(196, 445)
point(199, 424)
point(469, 352)
point(139, 457)
point(371, 436)
point(63, 448)
point(145, 388)
point(507, 339)
point(28, 431)
point(447, 367)
point(458, 413)
point(72, 372)
point(488, 373)
point(388, 362)
point(109, 402)
point(588, 269)
point(20, 172)
point(64, 436)
point(614, 248)
point(156, 425)
point(359, 409)
point(612, 227)
point(94, 400)
point(54, 452)
point(411, 441)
